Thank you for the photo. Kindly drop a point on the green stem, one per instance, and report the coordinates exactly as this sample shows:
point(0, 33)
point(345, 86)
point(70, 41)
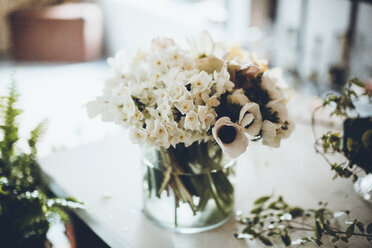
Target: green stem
point(175, 212)
point(215, 194)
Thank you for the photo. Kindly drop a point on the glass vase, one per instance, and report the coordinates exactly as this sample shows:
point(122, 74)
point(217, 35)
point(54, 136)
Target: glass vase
point(188, 189)
point(363, 187)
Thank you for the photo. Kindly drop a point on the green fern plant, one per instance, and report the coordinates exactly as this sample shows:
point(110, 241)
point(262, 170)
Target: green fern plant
point(27, 207)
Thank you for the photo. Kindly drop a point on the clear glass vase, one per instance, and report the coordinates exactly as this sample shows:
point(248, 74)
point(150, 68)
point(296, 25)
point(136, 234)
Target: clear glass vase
point(363, 187)
point(188, 189)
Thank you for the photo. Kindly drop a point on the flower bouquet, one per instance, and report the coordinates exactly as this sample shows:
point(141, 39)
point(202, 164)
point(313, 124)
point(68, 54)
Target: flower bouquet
point(193, 110)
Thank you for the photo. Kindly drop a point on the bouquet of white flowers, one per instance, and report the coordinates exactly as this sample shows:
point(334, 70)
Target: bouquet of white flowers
point(186, 101)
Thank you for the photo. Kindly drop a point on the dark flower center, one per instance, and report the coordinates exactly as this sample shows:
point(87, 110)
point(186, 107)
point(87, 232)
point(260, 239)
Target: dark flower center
point(227, 134)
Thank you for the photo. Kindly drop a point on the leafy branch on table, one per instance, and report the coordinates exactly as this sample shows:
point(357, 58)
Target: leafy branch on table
point(273, 219)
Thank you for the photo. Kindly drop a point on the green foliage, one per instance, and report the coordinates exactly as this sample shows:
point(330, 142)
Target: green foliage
point(344, 102)
point(341, 170)
point(355, 143)
point(331, 142)
point(27, 207)
point(9, 127)
point(274, 219)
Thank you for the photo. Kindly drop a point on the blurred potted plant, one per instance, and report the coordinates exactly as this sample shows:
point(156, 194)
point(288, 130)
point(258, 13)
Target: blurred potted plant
point(27, 207)
point(355, 144)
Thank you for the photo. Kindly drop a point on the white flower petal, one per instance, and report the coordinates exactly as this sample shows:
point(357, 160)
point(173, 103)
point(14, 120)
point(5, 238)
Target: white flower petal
point(161, 43)
point(94, 108)
point(250, 118)
point(238, 145)
point(269, 133)
point(246, 120)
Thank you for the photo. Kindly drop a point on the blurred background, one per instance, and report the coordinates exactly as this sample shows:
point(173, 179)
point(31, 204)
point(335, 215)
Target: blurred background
point(56, 50)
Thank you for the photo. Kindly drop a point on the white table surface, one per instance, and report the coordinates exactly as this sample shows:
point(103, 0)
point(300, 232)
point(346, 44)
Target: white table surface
point(110, 167)
point(106, 175)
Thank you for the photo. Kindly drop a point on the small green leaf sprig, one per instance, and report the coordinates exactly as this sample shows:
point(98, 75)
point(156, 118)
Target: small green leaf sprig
point(273, 219)
point(344, 103)
point(332, 142)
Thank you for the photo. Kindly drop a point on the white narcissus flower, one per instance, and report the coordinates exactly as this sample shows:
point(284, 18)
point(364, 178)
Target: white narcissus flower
point(120, 90)
point(137, 136)
point(153, 112)
point(161, 96)
point(177, 92)
point(174, 75)
point(119, 63)
point(161, 43)
point(207, 116)
point(190, 138)
point(222, 81)
point(175, 57)
point(139, 57)
point(204, 96)
point(165, 110)
point(250, 118)
point(138, 116)
point(185, 106)
point(128, 106)
point(159, 132)
point(202, 45)
point(230, 137)
point(191, 120)
point(171, 128)
point(148, 97)
point(157, 63)
point(181, 137)
point(200, 82)
point(213, 102)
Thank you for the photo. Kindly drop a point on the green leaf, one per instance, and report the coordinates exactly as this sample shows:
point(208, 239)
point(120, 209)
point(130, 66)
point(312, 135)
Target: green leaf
point(350, 231)
point(273, 206)
point(261, 200)
point(360, 226)
point(256, 210)
point(357, 82)
point(286, 240)
point(255, 220)
point(369, 228)
point(265, 240)
point(318, 242)
point(250, 231)
point(335, 239)
point(296, 212)
point(344, 239)
point(317, 230)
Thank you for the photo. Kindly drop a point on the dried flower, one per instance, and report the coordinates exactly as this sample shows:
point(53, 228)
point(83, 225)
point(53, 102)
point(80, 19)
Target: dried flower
point(244, 77)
